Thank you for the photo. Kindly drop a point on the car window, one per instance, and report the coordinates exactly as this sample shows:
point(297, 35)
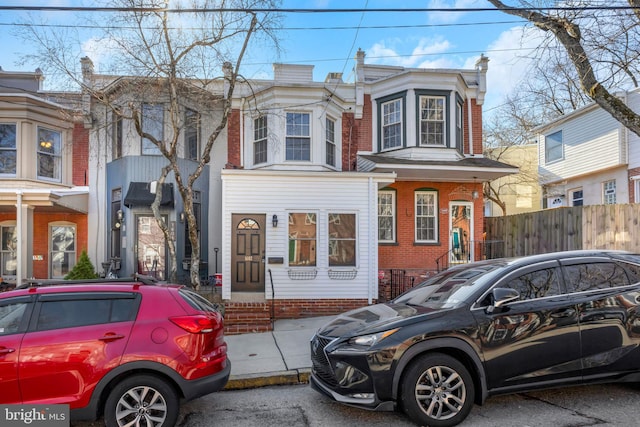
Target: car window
point(197, 301)
point(601, 275)
point(11, 315)
point(83, 312)
point(536, 284)
point(633, 271)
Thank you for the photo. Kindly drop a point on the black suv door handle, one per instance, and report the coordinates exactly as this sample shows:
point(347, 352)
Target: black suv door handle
point(110, 336)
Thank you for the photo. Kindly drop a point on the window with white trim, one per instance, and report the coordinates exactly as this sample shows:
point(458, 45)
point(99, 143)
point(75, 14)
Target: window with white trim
point(576, 197)
point(426, 216)
point(8, 149)
point(386, 216)
point(152, 124)
point(260, 126)
point(553, 147)
point(298, 138)
point(432, 120)
point(609, 192)
point(392, 124)
point(8, 250)
point(302, 239)
point(342, 240)
point(459, 128)
point(330, 136)
point(63, 250)
point(49, 154)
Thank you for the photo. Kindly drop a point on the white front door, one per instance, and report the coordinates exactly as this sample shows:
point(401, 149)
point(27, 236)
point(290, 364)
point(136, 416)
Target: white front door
point(460, 232)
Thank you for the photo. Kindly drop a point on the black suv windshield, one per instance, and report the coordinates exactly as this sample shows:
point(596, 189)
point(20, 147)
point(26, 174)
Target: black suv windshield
point(448, 288)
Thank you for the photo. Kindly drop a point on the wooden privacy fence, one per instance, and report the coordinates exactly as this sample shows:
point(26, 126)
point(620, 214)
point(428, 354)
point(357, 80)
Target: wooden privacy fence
point(561, 229)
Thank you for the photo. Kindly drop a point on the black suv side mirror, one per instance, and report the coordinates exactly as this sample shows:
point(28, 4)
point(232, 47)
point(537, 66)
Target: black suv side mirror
point(502, 296)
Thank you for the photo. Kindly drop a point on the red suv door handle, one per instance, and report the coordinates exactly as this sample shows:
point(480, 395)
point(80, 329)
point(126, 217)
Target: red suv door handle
point(108, 337)
point(5, 350)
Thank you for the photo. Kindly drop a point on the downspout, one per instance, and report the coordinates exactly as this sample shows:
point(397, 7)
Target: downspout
point(470, 127)
point(242, 147)
point(19, 249)
point(373, 248)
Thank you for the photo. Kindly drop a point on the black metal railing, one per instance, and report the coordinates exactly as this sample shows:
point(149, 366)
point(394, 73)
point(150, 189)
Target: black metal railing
point(482, 249)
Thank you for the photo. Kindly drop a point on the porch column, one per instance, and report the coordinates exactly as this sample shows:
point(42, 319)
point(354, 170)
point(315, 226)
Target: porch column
point(24, 227)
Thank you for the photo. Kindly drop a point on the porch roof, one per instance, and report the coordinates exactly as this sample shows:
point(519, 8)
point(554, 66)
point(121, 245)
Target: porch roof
point(75, 200)
point(139, 194)
point(466, 169)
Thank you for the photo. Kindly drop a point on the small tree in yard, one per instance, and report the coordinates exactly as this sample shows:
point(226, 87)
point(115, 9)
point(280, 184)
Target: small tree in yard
point(174, 55)
point(83, 269)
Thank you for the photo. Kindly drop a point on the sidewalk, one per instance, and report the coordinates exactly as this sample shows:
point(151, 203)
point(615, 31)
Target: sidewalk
point(273, 358)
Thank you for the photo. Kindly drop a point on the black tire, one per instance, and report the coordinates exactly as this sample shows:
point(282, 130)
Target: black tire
point(143, 398)
point(437, 390)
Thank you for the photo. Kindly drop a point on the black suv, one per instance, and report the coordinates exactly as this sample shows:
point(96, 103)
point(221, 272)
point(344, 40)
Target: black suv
point(487, 328)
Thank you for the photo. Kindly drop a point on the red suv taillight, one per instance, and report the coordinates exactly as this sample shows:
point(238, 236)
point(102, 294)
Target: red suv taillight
point(197, 324)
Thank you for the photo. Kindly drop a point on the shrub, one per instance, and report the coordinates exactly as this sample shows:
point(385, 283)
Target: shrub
point(83, 269)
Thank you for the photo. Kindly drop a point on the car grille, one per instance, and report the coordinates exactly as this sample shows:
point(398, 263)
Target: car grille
point(321, 366)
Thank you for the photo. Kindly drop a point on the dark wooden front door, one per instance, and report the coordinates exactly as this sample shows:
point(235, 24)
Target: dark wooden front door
point(247, 249)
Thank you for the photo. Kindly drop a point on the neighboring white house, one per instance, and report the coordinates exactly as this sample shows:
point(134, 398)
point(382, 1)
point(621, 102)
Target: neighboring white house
point(589, 158)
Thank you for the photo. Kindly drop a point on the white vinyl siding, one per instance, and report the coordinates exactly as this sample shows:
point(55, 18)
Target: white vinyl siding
point(282, 193)
point(583, 136)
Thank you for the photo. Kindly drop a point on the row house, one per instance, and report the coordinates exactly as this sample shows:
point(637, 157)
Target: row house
point(587, 157)
point(44, 184)
point(315, 191)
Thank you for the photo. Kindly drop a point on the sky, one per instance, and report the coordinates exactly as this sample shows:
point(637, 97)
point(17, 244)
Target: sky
point(329, 41)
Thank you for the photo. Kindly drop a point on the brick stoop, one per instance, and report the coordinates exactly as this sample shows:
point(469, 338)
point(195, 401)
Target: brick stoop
point(247, 317)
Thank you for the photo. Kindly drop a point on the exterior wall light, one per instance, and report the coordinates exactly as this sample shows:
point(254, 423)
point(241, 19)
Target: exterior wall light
point(274, 221)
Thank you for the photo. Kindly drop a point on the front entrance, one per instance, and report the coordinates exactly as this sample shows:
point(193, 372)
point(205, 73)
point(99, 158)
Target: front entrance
point(247, 252)
point(150, 247)
point(461, 232)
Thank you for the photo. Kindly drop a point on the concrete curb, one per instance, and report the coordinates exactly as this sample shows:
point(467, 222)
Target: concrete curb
point(291, 377)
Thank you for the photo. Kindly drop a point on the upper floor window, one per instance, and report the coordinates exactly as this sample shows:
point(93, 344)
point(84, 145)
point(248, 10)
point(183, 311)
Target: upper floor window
point(260, 127)
point(63, 250)
point(49, 154)
point(577, 197)
point(331, 142)
point(298, 136)
point(553, 147)
point(152, 124)
point(116, 134)
point(386, 216)
point(302, 240)
point(426, 216)
point(459, 128)
point(342, 240)
point(432, 120)
point(609, 193)
point(192, 134)
point(392, 124)
point(8, 150)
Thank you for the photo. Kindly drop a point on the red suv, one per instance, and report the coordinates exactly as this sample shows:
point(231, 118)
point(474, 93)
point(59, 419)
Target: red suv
point(128, 351)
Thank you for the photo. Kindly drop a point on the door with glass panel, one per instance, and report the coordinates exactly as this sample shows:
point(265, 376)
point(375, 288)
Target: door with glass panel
point(460, 232)
point(151, 257)
point(247, 253)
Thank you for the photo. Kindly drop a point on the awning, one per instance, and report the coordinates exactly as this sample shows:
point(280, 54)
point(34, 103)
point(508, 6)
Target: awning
point(139, 194)
point(466, 169)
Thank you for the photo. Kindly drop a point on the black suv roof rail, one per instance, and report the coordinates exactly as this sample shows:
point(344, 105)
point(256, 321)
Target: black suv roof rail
point(34, 283)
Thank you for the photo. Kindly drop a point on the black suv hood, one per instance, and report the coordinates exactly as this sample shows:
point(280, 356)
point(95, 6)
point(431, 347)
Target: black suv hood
point(372, 319)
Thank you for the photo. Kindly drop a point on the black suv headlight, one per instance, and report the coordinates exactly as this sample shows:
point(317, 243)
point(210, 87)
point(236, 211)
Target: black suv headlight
point(370, 340)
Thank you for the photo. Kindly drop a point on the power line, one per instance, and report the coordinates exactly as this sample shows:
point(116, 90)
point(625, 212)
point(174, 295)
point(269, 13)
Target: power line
point(296, 10)
point(365, 27)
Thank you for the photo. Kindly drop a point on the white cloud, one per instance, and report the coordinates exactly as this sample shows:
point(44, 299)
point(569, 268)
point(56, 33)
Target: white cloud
point(510, 56)
point(380, 53)
point(450, 17)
